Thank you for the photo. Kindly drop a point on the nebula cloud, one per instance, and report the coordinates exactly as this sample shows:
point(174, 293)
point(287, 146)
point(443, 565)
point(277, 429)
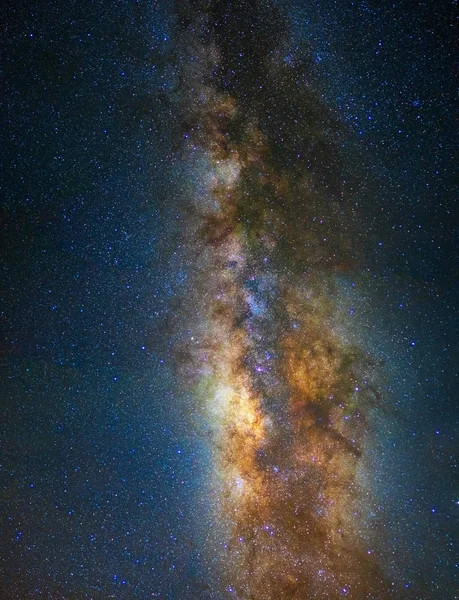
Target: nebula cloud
point(286, 398)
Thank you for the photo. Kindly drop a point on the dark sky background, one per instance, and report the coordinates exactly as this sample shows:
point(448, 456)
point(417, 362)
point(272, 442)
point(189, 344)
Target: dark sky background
point(100, 470)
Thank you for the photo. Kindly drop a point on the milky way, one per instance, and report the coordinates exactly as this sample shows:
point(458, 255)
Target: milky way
point(228, 347)
point(286, 398)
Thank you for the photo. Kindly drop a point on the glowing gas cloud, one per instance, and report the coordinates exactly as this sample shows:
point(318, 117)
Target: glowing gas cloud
point(287, 399)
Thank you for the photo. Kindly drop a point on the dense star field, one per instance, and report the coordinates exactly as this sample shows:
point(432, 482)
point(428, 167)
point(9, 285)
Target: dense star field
point(229, 354)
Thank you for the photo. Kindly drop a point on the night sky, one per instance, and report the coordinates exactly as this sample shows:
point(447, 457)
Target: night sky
point(229, 300)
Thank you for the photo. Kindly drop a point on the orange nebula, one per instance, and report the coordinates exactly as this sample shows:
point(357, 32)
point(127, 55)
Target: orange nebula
point(281, 391)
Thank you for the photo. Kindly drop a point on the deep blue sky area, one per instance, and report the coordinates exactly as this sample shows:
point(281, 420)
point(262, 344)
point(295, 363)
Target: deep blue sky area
point(100, 470)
